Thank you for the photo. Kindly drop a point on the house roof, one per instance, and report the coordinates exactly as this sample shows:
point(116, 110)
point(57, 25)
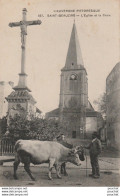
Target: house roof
point(53, 113)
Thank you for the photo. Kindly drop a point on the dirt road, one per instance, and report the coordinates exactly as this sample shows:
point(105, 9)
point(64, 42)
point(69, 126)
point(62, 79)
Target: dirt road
point(77, 177)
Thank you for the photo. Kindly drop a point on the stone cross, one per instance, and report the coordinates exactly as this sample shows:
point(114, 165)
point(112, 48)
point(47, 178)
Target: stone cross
point(23, 26)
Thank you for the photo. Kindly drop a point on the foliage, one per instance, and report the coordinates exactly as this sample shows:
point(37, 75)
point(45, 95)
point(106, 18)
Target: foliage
point(101, 103)
point(35, 128)
point(3, 125)
point(18, 127)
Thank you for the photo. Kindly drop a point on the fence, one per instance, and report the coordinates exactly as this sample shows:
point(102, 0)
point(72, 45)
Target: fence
point(6, 147)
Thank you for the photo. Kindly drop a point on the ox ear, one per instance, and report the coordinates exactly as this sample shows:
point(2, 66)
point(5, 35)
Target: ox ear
point(79, 148)
point(71, 152)
point(76, 149)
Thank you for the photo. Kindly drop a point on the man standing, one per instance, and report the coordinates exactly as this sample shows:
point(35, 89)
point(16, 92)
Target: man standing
point(94, 150)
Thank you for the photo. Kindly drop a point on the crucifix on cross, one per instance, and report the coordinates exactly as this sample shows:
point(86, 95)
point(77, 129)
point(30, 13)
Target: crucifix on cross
point(23, 26)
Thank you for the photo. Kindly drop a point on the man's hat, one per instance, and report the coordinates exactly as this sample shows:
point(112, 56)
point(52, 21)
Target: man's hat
point(95, 133)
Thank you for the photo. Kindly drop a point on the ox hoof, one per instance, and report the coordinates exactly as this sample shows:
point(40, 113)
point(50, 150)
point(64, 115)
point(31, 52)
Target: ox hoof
point(33, 179)
point(15, 177)
point(59, 177)
point(50, 178)
point(65, 174)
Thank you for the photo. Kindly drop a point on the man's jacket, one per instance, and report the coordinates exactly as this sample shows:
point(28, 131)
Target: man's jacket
point(95, 147)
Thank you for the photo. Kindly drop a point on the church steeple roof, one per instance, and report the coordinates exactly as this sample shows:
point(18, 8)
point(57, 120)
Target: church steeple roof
point(74, 55)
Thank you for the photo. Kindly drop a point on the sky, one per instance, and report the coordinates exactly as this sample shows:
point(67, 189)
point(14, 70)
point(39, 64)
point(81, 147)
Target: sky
point(47, 45)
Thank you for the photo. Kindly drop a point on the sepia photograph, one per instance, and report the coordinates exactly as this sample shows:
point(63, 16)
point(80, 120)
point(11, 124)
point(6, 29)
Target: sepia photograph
point(60, 93)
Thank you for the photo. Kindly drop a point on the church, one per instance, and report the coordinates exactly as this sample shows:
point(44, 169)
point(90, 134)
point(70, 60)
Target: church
point(75, 111)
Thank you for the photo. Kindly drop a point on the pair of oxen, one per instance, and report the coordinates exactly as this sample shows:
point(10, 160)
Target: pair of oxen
point(53, 153)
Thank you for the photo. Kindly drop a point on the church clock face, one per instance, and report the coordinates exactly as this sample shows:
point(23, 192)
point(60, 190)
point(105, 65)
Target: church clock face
point(73, 77)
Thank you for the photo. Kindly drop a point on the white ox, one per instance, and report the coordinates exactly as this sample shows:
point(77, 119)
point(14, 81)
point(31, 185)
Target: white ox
point(37, 152)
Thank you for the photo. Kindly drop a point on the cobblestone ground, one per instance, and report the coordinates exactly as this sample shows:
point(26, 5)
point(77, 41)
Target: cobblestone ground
point(77, 178)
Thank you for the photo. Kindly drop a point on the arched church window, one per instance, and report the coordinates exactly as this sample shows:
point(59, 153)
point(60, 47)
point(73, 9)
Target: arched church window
point(73, 83)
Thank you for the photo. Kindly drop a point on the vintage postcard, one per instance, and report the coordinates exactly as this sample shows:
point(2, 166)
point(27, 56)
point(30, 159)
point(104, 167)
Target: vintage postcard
point(59, 94)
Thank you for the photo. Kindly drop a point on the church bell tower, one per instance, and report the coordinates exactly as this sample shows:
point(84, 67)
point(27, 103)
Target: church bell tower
point(74, 90)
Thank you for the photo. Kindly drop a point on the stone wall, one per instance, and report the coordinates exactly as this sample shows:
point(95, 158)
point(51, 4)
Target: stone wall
point(113, 107)
point(5, 90)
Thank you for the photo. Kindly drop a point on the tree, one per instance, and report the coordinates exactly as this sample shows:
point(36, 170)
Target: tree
point(18, 127)
point(35, 128)
point(101, 103)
